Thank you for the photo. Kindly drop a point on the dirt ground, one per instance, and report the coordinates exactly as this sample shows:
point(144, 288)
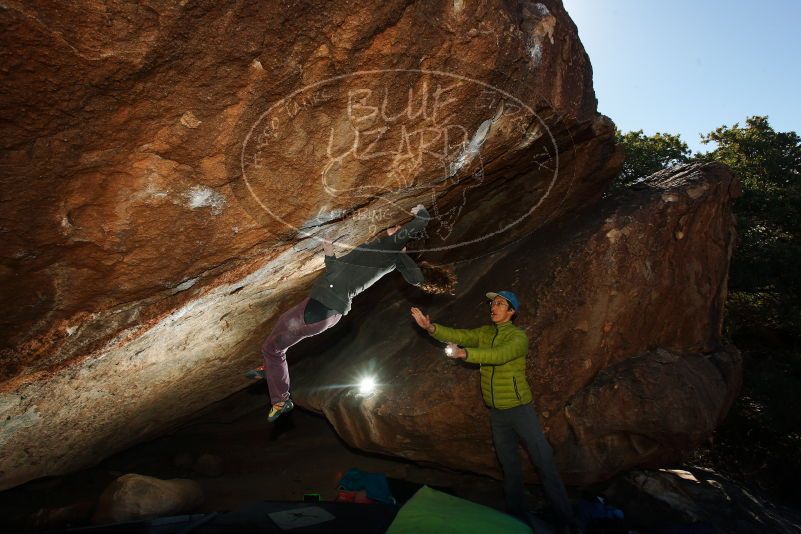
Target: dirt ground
point(243, 459)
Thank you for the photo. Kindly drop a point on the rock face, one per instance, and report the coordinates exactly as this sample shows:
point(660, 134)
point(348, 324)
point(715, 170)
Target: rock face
point(623, 308)
point(699, 497)
point(133, 497)
point(167, 167)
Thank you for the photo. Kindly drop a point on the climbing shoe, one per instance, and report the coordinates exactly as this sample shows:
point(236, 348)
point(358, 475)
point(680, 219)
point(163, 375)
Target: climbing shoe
point(279, 408)
point(256, 374)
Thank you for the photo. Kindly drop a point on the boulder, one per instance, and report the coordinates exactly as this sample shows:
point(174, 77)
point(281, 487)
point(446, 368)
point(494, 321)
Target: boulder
point(132, 497)
point(623, 306)
point(697, 500)
point(169, 166)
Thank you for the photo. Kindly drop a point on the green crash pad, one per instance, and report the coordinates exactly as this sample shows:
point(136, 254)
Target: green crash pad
point(433, 511)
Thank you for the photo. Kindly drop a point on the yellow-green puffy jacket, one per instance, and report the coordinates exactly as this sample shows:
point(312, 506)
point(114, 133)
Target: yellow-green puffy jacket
point(501, 351)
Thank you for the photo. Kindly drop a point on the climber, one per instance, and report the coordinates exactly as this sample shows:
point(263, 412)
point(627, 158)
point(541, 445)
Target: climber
point(500, 349)
point(332, 293)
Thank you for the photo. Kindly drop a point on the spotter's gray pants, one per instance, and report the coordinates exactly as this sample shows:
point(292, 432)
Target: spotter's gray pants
point(288, 330)
point(511, 426)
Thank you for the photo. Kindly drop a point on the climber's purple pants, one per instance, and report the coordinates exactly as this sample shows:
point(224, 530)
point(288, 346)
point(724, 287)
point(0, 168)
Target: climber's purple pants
point(289, 329)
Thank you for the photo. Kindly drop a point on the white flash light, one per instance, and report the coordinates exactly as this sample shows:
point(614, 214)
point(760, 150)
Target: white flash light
point(367, 386)
point(449, 350)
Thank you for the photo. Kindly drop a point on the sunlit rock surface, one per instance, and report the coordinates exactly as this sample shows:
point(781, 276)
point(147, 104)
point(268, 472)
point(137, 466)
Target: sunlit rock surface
point(165, 164)
point(623, 306)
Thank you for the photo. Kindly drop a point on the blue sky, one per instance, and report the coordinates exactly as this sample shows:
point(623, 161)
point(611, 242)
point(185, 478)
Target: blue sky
point(686, 67)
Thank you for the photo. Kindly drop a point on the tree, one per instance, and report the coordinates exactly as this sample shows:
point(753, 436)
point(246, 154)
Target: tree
point(645, 155)
point(764, 280)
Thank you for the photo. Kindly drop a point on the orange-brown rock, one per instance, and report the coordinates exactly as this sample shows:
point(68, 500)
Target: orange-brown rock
point(134, 497)
point(623, 305)
point(166, 166)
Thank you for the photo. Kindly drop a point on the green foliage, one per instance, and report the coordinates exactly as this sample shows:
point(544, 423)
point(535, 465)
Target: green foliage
point(765, 265)
point(646, 155)
point(762, 158)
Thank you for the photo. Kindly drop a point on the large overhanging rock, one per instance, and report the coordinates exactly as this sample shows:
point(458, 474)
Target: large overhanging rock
point(623, 305)
point(166, 166)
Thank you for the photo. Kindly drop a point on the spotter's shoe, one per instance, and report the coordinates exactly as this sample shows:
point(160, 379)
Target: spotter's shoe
point(279, 408)
point(256, 374)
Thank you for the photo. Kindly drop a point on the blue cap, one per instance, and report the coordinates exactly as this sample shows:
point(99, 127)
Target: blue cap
point(510, 297)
